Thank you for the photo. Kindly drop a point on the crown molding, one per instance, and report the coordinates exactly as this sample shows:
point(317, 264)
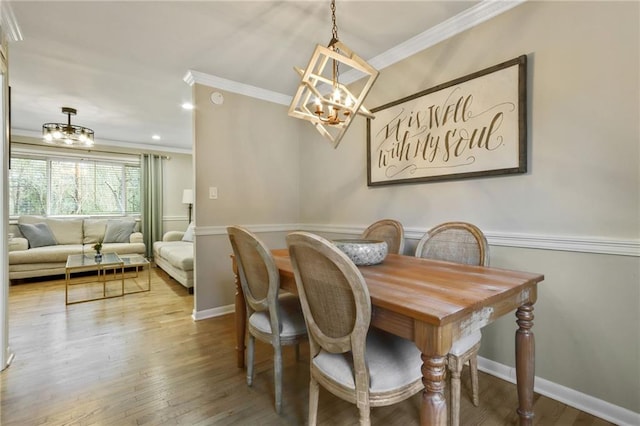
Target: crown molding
point(9, 23)
point(109, 142)
point(475, 15)
point(236, 87)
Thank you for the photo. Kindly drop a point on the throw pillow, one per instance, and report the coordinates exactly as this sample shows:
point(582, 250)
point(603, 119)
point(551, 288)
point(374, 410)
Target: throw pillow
point(38, 234)
point(188, 234)
point(118, 231)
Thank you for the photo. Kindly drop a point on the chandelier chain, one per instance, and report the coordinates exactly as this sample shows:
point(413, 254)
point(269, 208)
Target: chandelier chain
point(334, 29)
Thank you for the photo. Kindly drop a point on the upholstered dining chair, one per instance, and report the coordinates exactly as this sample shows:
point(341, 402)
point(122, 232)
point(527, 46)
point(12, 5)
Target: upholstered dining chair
point(362, 365)
point(458, 242)
point(388, 230)
point(272, 318)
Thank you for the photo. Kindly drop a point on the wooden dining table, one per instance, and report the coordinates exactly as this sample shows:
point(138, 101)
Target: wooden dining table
point(434, 303)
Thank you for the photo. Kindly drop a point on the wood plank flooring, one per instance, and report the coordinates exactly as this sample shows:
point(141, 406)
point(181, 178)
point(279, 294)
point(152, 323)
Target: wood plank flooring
point(141, 360)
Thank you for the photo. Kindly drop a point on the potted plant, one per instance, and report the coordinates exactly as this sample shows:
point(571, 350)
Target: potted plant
point(98, 248)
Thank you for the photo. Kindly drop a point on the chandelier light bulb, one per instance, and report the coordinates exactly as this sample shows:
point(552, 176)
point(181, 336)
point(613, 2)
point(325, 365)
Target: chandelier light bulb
point(336, 95)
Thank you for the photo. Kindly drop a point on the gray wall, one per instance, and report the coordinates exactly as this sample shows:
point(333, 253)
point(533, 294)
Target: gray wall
point(249, 150)
point(582, 185)
point(178, 176)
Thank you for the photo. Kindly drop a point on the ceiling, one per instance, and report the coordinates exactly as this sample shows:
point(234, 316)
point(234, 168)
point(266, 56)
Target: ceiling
point(122, 64)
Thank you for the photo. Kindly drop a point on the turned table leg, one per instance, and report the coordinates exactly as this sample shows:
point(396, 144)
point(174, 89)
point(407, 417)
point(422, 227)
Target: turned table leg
point(433, 410)
point(525, 363)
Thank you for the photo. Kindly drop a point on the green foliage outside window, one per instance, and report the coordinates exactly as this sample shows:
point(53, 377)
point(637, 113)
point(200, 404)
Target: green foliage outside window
point(61, 187)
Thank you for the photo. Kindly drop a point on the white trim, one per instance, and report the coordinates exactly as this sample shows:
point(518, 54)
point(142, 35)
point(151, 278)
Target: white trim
point(469, 18)
point(583, 402)
point(598, 245)
point(566, 243)
point(108, 142)
point(87, 154)
point(9, 23)
point(193, 76)
point(175, 218)
point(475, 15)
point(213, 312)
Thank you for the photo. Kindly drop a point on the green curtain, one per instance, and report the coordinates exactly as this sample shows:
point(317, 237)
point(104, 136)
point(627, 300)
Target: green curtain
point(152, 169)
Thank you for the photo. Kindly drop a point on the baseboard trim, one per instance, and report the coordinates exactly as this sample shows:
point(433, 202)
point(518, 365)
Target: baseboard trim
point(583, 402)
point(213, 312)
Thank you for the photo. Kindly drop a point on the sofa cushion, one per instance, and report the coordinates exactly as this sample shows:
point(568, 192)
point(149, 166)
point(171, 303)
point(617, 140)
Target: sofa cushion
point(66, 231)
point(178, 253)
point(118, 231)
point(38, 234)
point(94, 230)
point(46, 254)
point(124, 248)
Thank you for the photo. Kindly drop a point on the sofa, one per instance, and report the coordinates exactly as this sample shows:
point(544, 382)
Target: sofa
point(39, 246)
point(174, 255)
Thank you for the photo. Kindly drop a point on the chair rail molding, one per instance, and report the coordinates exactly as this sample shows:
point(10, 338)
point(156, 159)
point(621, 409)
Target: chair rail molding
point(580, 244)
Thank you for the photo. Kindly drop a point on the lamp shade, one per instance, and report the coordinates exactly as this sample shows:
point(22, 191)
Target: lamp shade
point(187, 196)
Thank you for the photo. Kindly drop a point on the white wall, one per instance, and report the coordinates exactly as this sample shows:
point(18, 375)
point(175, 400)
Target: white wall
point(581, 193)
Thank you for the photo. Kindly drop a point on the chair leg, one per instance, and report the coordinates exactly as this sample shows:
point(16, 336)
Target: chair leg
point(250, 354)
point(473, 369)
point(455, 367)
point(277, 376)
point(365, 419)
point(314, 393)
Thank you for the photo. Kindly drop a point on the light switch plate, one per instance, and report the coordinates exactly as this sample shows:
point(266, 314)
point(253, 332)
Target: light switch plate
point(213, 192)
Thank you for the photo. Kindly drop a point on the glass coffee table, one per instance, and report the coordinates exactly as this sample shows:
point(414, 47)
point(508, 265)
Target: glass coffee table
point(139, 263)
point(110, 262)
point(86, 263)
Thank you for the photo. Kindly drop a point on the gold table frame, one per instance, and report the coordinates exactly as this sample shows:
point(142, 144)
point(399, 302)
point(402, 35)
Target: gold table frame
point(109, 262)
point(86, 263)
point(136, 261)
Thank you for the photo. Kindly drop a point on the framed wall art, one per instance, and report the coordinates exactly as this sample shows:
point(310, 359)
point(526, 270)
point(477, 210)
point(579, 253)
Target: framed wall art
point(469, 127)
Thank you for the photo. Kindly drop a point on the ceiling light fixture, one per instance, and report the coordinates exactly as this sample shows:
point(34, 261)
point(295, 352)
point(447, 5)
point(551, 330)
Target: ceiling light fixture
point(321, 98)
point(67, 134)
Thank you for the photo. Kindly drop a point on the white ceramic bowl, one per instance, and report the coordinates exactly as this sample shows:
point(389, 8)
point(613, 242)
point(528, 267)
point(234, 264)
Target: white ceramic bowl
point(363, 252)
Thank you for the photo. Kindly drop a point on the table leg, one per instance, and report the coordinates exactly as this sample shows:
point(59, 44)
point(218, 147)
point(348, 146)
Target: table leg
point(66, 286)
point(241, 317)
point(433, 410)
point(525, 363)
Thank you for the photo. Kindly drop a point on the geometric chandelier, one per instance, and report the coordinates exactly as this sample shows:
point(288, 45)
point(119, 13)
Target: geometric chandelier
point(67, 134)
point(322, 98)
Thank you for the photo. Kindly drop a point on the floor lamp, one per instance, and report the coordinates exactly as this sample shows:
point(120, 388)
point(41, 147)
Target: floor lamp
point(187, 198)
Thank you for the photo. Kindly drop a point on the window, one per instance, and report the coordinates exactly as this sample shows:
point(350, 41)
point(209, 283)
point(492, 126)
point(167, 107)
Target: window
point(56, 186)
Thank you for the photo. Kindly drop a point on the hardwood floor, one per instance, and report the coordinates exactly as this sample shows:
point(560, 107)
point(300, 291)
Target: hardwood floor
point(142, 360)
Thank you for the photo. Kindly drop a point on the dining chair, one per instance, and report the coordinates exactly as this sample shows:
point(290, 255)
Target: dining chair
point(272, 318)
point(364, 366)
point(388, 230)
point(458, 242)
